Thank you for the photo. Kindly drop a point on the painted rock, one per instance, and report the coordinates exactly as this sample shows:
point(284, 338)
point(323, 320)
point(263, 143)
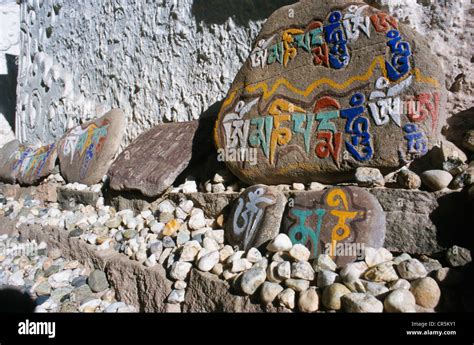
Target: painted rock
point(255, 217)
point(35, 164)
point(339, 221)
point(157, 157)
point(7, 156)
point(329, 87)
point(86, 151)
point(26, 165)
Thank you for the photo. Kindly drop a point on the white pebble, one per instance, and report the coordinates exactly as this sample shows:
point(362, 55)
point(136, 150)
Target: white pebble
point(280, 243)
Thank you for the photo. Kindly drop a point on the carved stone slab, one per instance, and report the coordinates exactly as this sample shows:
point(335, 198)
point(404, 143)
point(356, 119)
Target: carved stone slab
point(153, 161)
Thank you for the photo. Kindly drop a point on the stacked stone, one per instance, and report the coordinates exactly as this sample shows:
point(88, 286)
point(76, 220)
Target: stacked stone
point(85, 153)
point(172, 237)
point(55, 179)
point(180, 238)
point(222, 181)
point(381, 282)
point(54, 283)
point(187, 187)
point(95, 188)
point(313, 186)
point(447, 167)
point(466, 178)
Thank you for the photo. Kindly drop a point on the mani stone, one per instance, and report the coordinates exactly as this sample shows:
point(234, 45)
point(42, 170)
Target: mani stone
point(86, 151)
point(156, 158)
point(7, 155)
point(330, 86)
point(340, 221)
point(255, 217)
point(26, 165)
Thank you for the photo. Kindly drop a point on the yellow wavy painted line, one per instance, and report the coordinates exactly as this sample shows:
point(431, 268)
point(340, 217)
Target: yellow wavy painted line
point(378, 61)
point(424, 79)
point(227, 101)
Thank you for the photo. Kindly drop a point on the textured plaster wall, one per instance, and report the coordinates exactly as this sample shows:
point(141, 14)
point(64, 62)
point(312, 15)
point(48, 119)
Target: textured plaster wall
point(9, 48)
point(164, 60)
point(171, 60)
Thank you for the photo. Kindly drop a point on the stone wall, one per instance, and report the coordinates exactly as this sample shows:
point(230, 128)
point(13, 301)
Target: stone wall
point(173, 60)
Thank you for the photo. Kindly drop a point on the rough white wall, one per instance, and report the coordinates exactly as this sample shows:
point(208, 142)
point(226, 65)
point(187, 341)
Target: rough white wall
point(170, 60)
point(165, 60)
point(9, 44)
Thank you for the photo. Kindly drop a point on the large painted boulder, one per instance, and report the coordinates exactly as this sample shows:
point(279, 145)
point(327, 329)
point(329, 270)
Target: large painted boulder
point(339, 221)
point(255, 217)
point(157, 157)
point(26, 165)
point(86, 151)
point(329, 87)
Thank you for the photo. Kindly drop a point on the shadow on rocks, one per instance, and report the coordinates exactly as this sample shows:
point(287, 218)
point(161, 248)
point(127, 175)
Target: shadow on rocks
point(8, 95)
point(451, 218)
point(458, 124)
point(14, 301)
point(203, 163)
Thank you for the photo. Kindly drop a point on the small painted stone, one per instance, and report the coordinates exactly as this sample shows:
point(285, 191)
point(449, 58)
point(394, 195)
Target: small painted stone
point(171, 227)
point(86, 152)
point(339, 222)
point(255, 217)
